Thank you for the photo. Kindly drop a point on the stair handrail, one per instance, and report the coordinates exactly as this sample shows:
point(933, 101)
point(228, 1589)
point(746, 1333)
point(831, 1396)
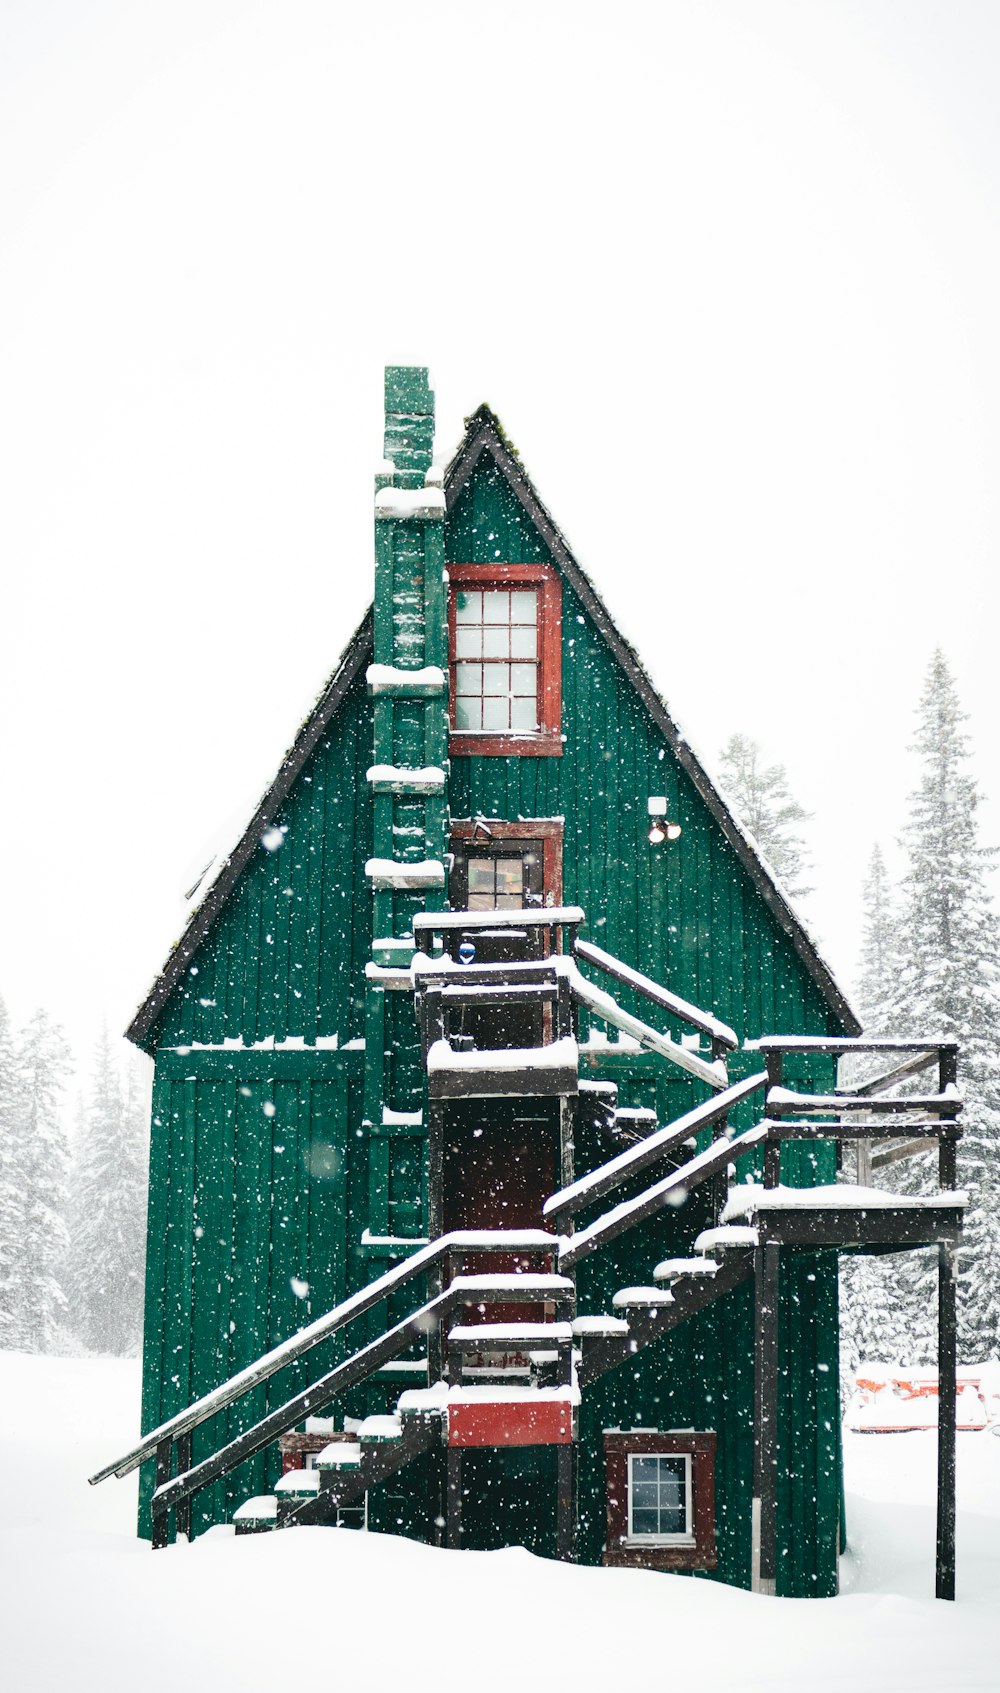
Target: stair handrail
point(173, 1491)
point(723, 1038)
point(713, 1072)
point(648, 1151)
point(321, 1329)
point(702, 1167)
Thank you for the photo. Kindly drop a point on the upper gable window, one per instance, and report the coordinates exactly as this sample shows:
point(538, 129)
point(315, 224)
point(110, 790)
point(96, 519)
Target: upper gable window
point(504, 647)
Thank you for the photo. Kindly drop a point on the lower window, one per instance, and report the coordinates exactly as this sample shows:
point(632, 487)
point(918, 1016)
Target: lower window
point(661, 1498)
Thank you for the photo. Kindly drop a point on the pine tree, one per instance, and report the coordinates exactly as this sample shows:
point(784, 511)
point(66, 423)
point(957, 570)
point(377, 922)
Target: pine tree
point(764, 804)
point(108, 1220)
point(947, 983)
point(39, 1168)
point(12, 1217)
point(879, 949)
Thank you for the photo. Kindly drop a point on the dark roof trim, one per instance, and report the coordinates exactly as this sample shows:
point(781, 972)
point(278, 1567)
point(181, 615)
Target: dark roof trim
point(356, 654)
point(484, 434)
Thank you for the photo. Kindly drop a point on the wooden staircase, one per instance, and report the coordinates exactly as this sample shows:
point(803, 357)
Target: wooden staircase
point(518, 1380)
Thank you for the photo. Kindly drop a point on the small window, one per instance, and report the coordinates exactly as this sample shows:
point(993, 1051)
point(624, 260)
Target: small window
point(660, 1498)
point(504, 635)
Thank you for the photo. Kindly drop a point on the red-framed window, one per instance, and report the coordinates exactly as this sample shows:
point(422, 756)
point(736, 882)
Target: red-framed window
point(660, 1499)
point(505, 644)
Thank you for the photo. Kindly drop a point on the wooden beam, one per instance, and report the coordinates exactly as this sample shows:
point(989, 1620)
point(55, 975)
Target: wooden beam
point(947, 1387)
point(765, 1473)
point(453, 1530)
point(567, 1501)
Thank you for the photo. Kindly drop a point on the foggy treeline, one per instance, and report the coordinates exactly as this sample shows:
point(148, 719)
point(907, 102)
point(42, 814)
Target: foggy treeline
point(72, 1197)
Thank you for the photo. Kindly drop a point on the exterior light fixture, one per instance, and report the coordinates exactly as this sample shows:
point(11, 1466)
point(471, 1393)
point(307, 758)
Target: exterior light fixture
point(659, 829)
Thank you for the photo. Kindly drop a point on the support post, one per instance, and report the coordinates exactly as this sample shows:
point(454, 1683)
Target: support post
point(161, 1523)
point(567, 1501)
point(947, 1347)
point(453, 1532)
point(764, 1510)
point(947, 1148)
point(183, 1512)
point(567, 1161)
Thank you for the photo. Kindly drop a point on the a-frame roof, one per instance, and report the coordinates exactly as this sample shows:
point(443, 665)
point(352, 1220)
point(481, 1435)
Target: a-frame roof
point(484, 435)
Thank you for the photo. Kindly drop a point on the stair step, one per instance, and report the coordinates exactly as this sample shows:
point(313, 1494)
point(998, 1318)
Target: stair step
point(671, 1268)
point(340, 1455)
point(599, 1325)
point(296, 1484)
point(375, 1431)
point(256, 1516)
point(492, 1337)
point(512, 1288)
point(727, 1236)
point(641, 1297)
point(635, 1114)
point(424, 1401)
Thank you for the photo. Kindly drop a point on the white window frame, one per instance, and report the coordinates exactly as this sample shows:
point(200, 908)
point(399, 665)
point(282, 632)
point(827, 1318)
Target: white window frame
point(685, 1539)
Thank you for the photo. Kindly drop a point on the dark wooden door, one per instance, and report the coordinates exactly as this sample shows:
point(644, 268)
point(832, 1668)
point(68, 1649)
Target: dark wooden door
point(499, 1168)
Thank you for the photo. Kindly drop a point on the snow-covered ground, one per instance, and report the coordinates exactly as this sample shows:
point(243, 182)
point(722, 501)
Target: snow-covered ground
point(86, 1606)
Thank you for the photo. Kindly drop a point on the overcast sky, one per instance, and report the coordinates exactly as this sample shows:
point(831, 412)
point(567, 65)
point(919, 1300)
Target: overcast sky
point(728, 272)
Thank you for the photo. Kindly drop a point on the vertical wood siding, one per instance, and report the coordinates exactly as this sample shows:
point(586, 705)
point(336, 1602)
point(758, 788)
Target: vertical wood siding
point(242, 1199)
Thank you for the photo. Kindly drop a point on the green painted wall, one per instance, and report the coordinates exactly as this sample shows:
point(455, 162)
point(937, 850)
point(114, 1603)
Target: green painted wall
point(263, 1172)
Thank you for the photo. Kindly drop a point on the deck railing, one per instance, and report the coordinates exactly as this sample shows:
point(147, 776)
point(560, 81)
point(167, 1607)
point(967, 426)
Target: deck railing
point(178, 1480)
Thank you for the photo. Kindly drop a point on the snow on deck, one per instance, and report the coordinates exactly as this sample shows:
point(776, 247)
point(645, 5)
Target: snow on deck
point(119, 1603)
point(560, 1054)
point(837, 1196)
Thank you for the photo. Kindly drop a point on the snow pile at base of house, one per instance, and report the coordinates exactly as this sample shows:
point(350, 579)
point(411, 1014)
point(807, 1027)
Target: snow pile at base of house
point(88, 1606)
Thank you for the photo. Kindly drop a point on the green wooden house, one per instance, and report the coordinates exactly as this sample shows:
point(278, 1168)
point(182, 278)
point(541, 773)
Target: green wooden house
point(487, 1071)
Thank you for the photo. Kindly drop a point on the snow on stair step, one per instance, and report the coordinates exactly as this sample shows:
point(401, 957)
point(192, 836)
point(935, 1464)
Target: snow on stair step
point(295, 1482)
point(490, 1336)
point(423, 1401)
point(729, 1235)
point(642, 1296)
point(528, 1286)
point(671, 1268)
point(340, 1455)
point(262, 1509)
point(377, 1430)
point(599, 1325)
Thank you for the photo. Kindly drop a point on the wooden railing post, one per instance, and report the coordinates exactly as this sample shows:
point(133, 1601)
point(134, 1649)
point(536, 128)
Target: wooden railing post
point(947, 1146)
point(765, 1466)
point(182, 1515)
point(161, 1519)
point(772, 1149)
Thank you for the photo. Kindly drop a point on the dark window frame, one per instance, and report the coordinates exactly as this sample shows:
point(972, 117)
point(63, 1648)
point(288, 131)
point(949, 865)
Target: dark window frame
point(623, 1551)
point(546, 740)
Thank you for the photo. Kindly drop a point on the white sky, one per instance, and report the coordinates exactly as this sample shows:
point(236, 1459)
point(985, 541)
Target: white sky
point(729, 273)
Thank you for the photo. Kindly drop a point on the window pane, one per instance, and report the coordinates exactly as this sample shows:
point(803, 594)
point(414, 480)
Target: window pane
point(480, 875)
point(524, 679)
point(468, 641)
point(469, 713)
point(524, 715)
point(524, 605)
point(496, 678)
point(468, 679)
point(496, 714)
point(496, 605)
point(468, 605)
point(481, 902)
point(510, 875)
point(644, 1522)
point(645, 1494)
point(496, 641)
point(524, 643)
point(645, 1469)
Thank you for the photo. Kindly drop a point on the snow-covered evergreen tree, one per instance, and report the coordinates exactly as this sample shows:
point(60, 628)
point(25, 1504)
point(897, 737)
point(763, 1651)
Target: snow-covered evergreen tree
point(108, 1217)
point(39, 1168)
point(879, 948)
point(943, 953)
point(11, 1189)
point(761, 799)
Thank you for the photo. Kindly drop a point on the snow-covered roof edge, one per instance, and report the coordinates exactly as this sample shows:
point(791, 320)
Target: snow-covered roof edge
point(484, 433)
point(217, 884)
